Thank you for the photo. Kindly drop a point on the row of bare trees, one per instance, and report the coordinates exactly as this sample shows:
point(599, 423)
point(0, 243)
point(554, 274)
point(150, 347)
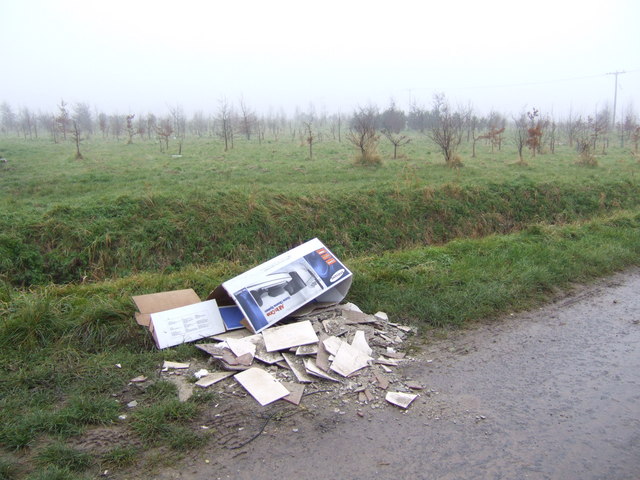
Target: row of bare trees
point(447, 126)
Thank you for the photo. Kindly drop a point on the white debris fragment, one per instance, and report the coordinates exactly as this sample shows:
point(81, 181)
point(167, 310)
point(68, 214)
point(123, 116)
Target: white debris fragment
point(400, 399)
point(203, 372)
point(212, 378)
point(381, 316)
point(167, 365)
point(349, 360)
point(351, 306)
point(261, 385)
point(139, 379)
point(360, 342)
point(132, 404)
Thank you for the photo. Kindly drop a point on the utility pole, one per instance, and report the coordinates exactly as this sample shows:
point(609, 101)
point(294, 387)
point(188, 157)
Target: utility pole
point(615, 94)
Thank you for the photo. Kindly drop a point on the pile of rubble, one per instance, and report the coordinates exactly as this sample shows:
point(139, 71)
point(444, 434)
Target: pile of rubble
point(345, 349)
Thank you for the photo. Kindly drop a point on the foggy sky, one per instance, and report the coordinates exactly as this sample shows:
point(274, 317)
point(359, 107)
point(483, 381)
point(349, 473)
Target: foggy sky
point(137, 56)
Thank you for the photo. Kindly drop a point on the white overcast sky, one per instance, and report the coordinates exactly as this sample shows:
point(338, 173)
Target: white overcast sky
point(135, 56)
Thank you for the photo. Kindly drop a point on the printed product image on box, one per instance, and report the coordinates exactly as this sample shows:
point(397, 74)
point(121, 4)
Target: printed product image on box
point(296, 283)
point(272, 290)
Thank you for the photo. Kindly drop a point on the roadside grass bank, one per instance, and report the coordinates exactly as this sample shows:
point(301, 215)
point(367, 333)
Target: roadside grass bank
point(166, 233)
point(68, 352)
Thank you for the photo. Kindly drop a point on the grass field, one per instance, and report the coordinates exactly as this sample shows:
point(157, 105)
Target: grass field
point(432, 246)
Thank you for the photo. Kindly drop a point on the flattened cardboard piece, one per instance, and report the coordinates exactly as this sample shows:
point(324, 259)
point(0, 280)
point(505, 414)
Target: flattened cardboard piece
point(291, 335)
point(261, 385)
point(281, 286)
point(158, 302)
point(186, 324)
point(297, 367)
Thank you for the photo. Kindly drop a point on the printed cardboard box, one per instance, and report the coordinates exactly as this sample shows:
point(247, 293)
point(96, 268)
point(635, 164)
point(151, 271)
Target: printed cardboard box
point(179, 316)
point(277, 288)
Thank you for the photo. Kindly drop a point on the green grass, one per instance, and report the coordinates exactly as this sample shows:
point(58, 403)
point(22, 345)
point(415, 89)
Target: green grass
point(129, 209)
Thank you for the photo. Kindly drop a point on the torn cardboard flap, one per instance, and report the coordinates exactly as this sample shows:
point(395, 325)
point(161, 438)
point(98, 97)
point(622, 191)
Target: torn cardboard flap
point(158, 302)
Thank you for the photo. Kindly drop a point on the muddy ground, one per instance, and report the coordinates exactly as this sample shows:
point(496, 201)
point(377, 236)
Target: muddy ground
point(548, 394)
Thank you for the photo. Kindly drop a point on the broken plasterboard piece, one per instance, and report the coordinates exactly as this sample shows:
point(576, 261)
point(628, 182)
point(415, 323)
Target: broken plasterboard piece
point(332, 344)
point(400, 399)
point(232, 334)
point(261, 385)
point(314, 370)
point(167, 365)
point(241, 346)
point(349, 360)
point(214, 349)
point(354, 318)
point(287, 336)
point(310, 349)
point(297, 368)
point(351, 307)
point(296, 389)
point(381, 316)
point(212, 378)
point(360, 342)
point(383, 382)
point(322, 357)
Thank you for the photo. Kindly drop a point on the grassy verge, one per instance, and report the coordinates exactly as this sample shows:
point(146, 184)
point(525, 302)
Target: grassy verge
point(66, 350)
point(167, 233)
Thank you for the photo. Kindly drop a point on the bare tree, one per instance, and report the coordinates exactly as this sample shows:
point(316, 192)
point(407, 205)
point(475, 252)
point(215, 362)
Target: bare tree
point(82, 115)
point(164, 130)
point(7, 118)
point(115, 125)
point(362, 134)
point(152, 125)
point(534, 132)
point(76, 134)
point(396, 140)
point(62, 119)
point(131, 130)
point(310, 137)
point(248, 119)
point(446, 130)
point(103, 124)
point(25, 122)
point(225, 117)
point(520, 135)
point(392, 119)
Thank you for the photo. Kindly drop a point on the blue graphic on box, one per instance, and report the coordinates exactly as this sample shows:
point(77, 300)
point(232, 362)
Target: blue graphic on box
point(251, 308)
point(328, 267)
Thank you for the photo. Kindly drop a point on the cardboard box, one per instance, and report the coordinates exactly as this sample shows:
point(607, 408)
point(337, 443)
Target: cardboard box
point(277, 288)
point(178, 316)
